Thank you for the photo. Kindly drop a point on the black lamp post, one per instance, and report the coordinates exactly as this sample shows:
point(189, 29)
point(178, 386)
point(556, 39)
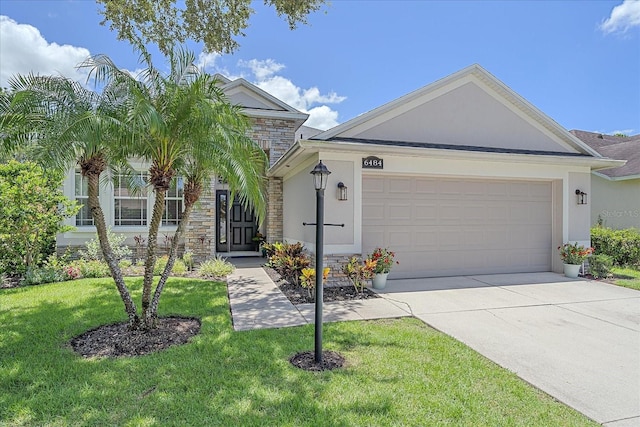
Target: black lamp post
point(320, 174)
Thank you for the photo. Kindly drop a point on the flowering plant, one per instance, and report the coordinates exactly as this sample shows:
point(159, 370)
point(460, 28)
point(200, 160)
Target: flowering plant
point(574, 253)
point(383, 259)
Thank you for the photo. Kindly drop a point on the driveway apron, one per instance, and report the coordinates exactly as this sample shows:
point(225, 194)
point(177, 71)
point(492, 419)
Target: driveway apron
point(577, 340)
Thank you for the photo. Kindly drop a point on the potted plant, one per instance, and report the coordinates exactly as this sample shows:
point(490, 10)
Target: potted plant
point(573, 255)
point(258, 240)
point(384, 261)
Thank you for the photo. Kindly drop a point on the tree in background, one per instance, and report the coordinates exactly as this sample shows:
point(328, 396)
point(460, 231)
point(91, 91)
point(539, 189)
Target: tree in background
point(214, 22)
point(32, 208)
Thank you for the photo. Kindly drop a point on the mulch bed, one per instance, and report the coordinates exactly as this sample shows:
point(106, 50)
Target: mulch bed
point(299, 295)
point(117, 340)
point(306, 360)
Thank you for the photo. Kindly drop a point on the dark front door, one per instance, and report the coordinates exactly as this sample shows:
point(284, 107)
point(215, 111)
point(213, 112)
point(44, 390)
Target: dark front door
point(236, 225)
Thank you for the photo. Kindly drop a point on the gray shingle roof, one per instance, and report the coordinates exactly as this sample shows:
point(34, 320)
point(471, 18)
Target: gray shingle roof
point(456, 147)
point(615, 147)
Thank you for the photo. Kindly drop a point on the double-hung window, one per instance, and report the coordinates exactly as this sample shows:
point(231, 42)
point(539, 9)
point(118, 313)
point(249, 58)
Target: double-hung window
point(83, 217)
point(130, 208)
point(173, 202)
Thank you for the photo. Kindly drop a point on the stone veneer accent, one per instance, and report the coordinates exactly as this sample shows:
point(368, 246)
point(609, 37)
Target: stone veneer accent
point(274, 219)
point(335, 263)
point(274, 136)
point(200, 235)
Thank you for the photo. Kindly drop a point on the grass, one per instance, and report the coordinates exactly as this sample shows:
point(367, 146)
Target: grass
point(400, 372)
point(627, 277)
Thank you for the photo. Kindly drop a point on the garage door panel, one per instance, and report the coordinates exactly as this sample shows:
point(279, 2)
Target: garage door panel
point(425, 186)
point(440, 227)
point(373, 185)
point(399, 185)
point(449, 213)
point(399, 211)
point(539, 213)
point(497, 213)
point(400, 239)
point(426, 213)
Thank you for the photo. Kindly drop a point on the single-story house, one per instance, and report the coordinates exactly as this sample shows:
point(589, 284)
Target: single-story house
point(615, 200)
point(462, 176)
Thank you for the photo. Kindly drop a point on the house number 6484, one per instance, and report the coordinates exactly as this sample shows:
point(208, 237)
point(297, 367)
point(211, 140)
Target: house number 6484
point(372, 162)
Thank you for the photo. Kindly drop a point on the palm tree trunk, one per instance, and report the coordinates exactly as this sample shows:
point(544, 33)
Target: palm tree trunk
point(93, 181)
point(152, 246)
point(173, 254)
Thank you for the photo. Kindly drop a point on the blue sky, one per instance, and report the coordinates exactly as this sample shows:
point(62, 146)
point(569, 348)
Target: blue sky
point(577, 61)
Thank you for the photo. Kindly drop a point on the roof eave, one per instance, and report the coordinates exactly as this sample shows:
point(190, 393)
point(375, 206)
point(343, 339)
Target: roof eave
point(616, 178)
point(309, 147)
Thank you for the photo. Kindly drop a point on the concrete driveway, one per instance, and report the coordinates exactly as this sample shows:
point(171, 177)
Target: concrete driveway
point(577, 340)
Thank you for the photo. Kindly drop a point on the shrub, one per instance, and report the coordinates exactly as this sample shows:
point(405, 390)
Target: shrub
point(161, 263)
point(120, 250)
point(359, 272)
point(288, 259)
point(32, 210)
point(52, 270)
point(72, 272)
point(178, 268)
point(187, 258)
point(215, 268)
point(125, 263)
point(622, 245)
point(600, 265)
point(92, 268)
point(308, 278)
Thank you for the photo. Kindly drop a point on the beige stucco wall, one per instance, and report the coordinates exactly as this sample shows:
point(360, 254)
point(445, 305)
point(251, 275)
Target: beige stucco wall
point(300, 206)
point(571, 222)
point(616, 202)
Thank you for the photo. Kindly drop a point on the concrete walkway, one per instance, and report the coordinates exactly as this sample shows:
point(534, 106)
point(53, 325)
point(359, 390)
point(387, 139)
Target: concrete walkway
point(256, 302)
point(577, 340)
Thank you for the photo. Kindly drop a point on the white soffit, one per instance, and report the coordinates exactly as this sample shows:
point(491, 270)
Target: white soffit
point(470, 107)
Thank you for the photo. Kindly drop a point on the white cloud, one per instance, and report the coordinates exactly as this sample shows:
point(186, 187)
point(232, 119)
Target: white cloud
point(207, 61)
point(622, 18)
point(306, 100)
point(262, 69)
point(23, 50)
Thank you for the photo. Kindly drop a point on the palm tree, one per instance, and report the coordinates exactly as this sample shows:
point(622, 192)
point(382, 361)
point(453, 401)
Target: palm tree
point(231, 156)
point(68, 125)
point(183, 123)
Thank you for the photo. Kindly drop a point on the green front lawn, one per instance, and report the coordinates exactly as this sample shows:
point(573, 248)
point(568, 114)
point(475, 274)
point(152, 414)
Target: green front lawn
point(400, 372)
point(627, 277)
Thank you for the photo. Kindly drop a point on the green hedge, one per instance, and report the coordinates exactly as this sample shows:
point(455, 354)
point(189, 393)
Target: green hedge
point(621, 245)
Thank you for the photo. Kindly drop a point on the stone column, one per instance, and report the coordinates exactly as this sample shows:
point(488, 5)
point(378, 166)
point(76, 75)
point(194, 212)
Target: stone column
point(274, 225)
point(200, 235)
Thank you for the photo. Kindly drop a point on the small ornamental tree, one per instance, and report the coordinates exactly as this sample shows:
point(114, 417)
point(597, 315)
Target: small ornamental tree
point(32, 208)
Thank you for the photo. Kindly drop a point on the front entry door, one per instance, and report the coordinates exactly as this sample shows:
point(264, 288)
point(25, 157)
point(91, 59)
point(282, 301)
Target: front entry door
point(236, 225)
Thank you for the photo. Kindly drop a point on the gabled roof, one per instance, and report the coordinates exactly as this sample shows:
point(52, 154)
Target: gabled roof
point(615, 147)
point(307, 132)
point(256, 102)
point(468, 108)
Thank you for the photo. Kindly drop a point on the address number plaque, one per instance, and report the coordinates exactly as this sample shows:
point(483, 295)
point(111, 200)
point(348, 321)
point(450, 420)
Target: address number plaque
point(372, 162)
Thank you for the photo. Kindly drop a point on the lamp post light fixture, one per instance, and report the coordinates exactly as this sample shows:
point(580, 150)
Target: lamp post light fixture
point(320, 174)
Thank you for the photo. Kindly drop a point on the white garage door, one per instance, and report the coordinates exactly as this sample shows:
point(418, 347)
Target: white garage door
point(451, 227)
